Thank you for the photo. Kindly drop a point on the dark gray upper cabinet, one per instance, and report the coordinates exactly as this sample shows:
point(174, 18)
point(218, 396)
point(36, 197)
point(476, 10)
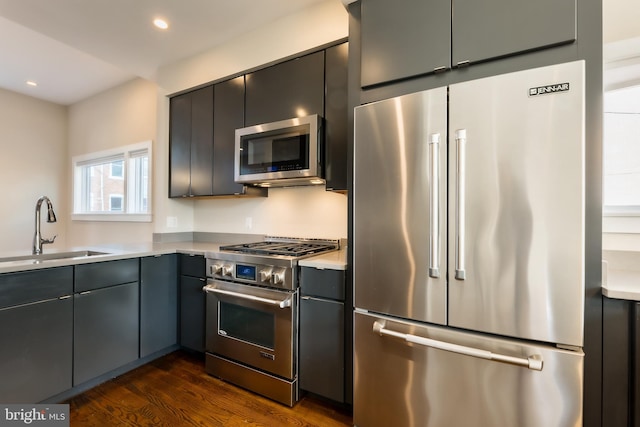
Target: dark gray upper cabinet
point(180, 146)
point(158, 303)
point(293, 88)
point(191, 144)
point(336, 117)
point(409, 38)
point(228, 115)
point(486, 29)
point(404, 38)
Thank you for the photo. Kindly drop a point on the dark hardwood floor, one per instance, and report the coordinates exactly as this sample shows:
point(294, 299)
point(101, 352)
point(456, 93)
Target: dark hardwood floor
point(176, 391)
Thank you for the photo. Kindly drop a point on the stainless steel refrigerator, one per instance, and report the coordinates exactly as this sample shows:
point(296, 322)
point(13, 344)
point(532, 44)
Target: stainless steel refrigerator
point(469, 253)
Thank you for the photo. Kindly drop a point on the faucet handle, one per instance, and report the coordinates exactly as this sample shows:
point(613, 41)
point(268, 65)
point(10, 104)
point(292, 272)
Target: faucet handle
point(51, 240)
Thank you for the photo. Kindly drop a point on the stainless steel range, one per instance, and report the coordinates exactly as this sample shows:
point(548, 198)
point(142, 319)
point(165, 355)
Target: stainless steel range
point(252, 314)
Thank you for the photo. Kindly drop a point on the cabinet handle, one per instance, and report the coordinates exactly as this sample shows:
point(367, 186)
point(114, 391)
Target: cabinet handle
point(64, 297)
point(461, 141)
point(85, 293)
point(202, 279)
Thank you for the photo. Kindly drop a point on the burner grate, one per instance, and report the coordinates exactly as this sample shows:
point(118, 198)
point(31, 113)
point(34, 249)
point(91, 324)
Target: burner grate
point(293, 249)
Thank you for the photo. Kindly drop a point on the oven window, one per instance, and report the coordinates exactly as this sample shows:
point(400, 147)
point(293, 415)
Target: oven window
point(247, 324)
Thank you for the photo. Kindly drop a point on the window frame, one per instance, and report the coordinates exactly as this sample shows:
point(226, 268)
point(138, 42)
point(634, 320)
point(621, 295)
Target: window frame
point(618, 218)
point(127, 154)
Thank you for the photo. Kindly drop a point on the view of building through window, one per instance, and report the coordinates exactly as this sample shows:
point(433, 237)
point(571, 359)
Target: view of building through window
point(622, 149)
point(104, 185)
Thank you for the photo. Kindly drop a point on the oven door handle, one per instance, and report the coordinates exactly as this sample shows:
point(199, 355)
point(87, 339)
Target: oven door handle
point(278, 303)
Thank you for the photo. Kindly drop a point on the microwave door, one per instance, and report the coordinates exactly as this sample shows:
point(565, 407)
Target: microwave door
point(282, 150)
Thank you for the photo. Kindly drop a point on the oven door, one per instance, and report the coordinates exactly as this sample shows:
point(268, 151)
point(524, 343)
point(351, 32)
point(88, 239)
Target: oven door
point(254, 326)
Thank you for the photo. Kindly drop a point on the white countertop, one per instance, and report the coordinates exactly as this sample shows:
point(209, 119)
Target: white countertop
point(333, 260)
point(336, 260)
point(621, 284)
point(111, 252)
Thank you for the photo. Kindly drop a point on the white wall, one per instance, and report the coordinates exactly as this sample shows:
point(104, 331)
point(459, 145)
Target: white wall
point(120, 116)
point(32, 164)
point(290, 212)
point(298, 212)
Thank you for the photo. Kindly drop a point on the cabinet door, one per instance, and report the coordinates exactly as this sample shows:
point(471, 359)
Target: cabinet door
point(336, 116)
point(202, 142)
point(158, 303)
point(617, 364)
point(404, 38)
point(192, 313)
point(322, 347)
point(102, 274)
point(106, 327)
point(228, 116)
point(289, 89)
point(485, 29)
point(191, 144)
point(35, 362)
point(180, 145)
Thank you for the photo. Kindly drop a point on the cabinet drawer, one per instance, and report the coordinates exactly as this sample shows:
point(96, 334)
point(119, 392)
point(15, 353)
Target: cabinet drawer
point(103, 274)
point(192, 265)
point(322, 283)
point(37, 285)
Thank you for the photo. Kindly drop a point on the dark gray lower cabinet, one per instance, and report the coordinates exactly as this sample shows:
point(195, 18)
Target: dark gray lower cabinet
point(621, 363)
point(106, 327)
point(158, 303)
point(322, 338)
point(36, 330)
point(192, 302)
point(35, 360)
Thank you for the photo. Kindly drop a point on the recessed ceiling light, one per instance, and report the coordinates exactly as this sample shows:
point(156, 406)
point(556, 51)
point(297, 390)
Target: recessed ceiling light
point(31, 83)
point(160, 23)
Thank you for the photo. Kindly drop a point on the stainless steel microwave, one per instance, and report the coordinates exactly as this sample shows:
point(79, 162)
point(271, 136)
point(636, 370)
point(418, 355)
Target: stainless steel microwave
point(284, 153)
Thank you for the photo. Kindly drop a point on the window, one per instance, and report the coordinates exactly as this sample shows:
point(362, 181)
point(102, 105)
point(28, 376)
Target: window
point(115, 203)
point(113, 185)
point(117, 169)
point(622, 151)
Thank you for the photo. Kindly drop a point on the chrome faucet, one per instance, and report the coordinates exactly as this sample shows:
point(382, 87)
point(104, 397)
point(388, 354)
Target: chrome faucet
point(38, 241)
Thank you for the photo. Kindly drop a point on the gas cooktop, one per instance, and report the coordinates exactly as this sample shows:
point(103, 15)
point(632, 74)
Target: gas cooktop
point(291, 247)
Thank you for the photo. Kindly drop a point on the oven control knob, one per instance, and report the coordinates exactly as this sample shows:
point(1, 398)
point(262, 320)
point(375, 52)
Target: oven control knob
point(278, 276)
point(227, 270)
point(216, 269)
point(265, 274)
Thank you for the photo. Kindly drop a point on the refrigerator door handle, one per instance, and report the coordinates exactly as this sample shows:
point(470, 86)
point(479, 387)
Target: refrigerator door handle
point(533, 362)
point(461, 141)
point(434, 206)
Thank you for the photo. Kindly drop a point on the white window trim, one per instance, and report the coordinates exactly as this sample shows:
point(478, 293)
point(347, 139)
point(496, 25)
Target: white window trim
point(621, 219)
point(112, 216)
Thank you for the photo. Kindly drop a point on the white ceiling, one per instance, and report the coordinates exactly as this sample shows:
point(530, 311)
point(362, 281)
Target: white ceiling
point(76, 48)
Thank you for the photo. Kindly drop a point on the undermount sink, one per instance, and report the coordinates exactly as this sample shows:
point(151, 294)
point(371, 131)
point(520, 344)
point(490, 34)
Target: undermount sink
point(52, 256)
